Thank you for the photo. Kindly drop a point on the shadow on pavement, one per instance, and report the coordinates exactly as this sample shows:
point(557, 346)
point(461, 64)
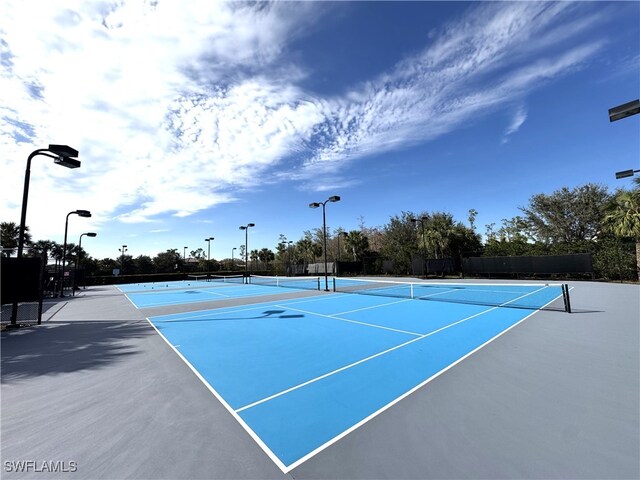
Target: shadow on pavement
point(61, 347)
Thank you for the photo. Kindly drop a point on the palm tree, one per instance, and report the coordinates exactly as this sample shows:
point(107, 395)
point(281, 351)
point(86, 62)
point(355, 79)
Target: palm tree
point(266, 256)
point(622, 217)
point(9, 236)
point(253, 256)
point(42, 248)
point(357, 242)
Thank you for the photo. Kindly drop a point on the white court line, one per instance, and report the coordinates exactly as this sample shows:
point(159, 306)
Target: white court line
point(137, 308)
point(435, 294)
point(285, 469)
point(374, 306)
point(341, 369)
point(191, 301)
point(406, 394)
point(333, 317)
point(242, 423)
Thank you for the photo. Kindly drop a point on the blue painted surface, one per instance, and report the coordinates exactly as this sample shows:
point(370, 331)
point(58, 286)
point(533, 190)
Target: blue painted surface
point(248, 354)
point(197, 295)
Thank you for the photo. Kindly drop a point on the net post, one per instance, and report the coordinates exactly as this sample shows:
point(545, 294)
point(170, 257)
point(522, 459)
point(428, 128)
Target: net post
point(567, 298)
point(411, 286)
point(334, 284)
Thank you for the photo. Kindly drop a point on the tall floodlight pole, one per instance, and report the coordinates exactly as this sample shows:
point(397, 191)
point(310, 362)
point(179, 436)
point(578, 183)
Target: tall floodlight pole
point(62, 155)
point(289, 251)
point(334, 198)
point(88, 234)
point(233, 262)
point(246, 244)
point(208, 240)
point(618, 113)
point(122, 251)
point(424, 243)
point(80, 213)
point(184, 259)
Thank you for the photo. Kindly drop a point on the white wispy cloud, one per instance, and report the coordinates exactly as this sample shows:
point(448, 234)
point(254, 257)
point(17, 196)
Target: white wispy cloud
point(518, 119)
point(447, 84)
point(179, 106)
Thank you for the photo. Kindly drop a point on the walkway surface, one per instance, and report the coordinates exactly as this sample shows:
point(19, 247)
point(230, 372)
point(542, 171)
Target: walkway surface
point(95, 392)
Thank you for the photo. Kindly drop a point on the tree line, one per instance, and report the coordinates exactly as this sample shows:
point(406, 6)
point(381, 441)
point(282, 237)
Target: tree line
point(585, 219)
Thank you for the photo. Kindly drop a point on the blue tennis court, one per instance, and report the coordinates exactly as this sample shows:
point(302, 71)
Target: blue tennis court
point(300, 374)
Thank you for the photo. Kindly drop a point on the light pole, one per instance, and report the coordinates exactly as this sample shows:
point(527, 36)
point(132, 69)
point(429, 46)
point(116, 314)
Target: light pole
point(289, 270)
point(334, 198)
point(626, 173)
point(618, 113)
point(233, 262)
point(208, 240)
point(424, 243)
point(122, 251)
point(88, 234)
point(80, 213)
point(625, 110)
point(246, 244)
point(62, 155)
point(184, 259)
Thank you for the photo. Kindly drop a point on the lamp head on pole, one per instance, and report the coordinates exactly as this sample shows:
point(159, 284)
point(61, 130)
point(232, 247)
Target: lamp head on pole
point(314, 205)
point(334, 198)
point(83, 213)
point(91, 234)
point(66, 155)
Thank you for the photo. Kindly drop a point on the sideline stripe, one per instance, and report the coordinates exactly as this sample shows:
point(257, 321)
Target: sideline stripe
point(405, 395)
point(286, 469)
point(371, 357)
point(246, 427)
point(333, 317)
point(313, 380)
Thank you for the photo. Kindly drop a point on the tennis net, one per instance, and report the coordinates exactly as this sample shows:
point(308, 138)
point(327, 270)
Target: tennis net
point(197, 278)
point(227, 278)
point(216, 278)
point(304, 283)
point(529, 296)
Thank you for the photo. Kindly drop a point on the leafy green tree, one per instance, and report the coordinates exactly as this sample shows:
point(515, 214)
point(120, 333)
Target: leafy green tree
point(401, 241)
point(167, 262)
point(266, 256)
point(566, 216)
point(143, 264)
point(622, 217)
point(198, 254)
point(107, 265)
point(9, 237)
point(472, 218)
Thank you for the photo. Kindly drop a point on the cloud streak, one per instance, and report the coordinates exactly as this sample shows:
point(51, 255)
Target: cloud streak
point(178, 107)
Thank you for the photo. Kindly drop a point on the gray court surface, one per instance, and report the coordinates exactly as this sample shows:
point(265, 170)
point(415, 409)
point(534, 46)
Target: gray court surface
point(94, 392)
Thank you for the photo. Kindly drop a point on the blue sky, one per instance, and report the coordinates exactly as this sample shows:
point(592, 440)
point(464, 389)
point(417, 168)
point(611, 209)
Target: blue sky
point(193, 118)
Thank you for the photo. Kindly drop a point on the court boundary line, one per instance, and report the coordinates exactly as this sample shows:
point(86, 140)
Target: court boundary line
point(222, 401)
point(176, 289)
point(200, 301)
point(384, 408)
point(334, 317)
point(286, 469)
point(371, 357)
